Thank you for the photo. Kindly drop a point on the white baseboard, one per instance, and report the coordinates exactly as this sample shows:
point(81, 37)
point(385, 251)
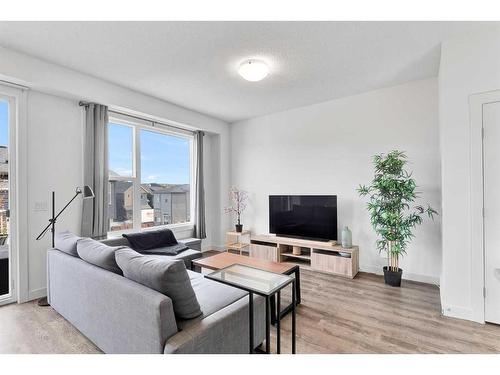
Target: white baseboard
point(406, 275)
point(37, 293)
point(458, 312)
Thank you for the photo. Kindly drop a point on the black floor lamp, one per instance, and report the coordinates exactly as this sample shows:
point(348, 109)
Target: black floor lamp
point(86, 193)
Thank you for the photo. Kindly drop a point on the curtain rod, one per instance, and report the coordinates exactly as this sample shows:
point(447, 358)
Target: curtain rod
point(8, 83)
point(86, 104)
point(152, 121)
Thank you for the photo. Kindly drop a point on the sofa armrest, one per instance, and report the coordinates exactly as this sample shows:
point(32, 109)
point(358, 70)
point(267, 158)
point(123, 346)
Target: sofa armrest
point(192, 243)
point(223, 332)
point(115, 313)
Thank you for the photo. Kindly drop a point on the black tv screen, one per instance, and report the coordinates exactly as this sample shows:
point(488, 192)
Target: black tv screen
point(303, 216)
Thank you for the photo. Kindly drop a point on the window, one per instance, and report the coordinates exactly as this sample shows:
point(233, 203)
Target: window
point(150, 175)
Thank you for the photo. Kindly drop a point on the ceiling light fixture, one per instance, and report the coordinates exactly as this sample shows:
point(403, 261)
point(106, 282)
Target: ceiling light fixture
point(253, 70)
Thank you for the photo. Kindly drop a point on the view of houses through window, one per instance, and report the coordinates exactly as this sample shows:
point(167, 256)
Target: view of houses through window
point(4, 197)
point(149, 171)
point(4, 170)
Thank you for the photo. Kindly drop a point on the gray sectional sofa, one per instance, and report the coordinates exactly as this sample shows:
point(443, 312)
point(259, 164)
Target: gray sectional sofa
point(122, 316)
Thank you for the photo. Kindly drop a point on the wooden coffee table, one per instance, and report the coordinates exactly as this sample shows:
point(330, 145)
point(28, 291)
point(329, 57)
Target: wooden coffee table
point(224, 260)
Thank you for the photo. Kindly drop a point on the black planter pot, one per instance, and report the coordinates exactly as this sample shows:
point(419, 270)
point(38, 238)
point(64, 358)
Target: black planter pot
point(393, 278)
point(239, 228)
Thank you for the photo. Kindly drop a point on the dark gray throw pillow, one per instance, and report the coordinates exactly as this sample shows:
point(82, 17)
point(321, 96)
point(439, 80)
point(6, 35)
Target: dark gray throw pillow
point(66, 242)
point(98, 254)
point(167, 276)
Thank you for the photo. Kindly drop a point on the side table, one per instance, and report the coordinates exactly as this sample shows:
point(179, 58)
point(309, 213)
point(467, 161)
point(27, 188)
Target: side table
point(266, 284)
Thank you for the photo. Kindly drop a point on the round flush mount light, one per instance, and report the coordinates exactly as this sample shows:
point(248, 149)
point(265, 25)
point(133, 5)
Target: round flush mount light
point(253, 70)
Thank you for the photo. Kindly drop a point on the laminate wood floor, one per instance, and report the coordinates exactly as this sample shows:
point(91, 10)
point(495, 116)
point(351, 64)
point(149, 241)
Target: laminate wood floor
point(337, 315)
point(27, 328)
point(364, 315)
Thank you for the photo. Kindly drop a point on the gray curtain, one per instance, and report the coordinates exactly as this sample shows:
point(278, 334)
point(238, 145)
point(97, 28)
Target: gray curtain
point(95, 211)
point(199, 219)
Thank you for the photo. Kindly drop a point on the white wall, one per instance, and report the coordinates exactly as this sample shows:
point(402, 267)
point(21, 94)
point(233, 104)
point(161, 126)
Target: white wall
point(54, 155)
point(54, 164)
point(326, 148)
point(468, 65)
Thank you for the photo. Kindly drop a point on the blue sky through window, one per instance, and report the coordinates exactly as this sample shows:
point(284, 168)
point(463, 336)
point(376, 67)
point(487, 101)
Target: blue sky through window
point(120, 149)
point(4, 123)
point(164, 158)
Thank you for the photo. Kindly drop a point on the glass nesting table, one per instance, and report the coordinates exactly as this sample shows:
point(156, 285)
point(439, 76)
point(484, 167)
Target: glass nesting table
point(263, 283)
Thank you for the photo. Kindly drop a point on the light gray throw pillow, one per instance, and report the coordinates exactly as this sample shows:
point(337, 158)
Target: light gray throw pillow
point(167, 276)
point(66, 242)
point(98, 254)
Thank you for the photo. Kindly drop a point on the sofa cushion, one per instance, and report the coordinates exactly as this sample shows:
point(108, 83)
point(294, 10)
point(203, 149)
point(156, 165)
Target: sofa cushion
point(116, 241)
point(151, 239)
point(187, 256)
point(172, 250)
point(98, 254)
point(166, 250)
point(164, 275)
point(66, 242)
point(212, 297)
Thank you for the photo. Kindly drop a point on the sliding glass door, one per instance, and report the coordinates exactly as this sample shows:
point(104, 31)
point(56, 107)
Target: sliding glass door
point(6, 287)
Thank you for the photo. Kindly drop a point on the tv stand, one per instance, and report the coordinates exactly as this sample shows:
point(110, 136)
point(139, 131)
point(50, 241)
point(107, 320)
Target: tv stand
point(327, 257)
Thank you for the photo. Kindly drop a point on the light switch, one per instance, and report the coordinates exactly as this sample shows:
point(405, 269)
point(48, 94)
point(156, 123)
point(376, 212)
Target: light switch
point(41, 206)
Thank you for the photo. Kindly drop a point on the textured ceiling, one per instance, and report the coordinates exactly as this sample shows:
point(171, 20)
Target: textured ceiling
point(193, 64)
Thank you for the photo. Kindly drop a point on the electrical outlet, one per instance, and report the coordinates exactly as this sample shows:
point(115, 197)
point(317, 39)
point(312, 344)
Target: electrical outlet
point(41, 206)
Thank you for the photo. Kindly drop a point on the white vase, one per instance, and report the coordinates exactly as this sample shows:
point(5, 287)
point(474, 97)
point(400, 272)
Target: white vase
point(346, 237)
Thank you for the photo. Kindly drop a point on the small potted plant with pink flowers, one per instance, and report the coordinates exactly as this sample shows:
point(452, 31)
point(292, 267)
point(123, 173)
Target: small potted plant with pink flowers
point(238, 200)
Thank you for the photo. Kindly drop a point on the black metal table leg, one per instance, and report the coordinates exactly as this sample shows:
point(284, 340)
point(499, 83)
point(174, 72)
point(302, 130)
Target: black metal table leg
point(293, 317)
point(274, 312)
point(278, 327)
point(297, 284)
point(268, 328)
point(250, 307)
point(273, 309)
point(195, 268)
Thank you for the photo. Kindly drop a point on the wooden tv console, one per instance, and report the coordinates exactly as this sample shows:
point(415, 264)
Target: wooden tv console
point(315, 255)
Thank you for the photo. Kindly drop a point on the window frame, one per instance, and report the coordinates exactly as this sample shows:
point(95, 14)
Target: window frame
point(137, 125)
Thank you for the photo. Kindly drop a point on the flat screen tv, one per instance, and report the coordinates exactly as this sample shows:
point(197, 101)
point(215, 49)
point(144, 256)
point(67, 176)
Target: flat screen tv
point(304, 216)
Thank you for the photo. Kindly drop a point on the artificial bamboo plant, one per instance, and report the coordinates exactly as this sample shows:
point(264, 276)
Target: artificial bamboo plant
point(391, 195)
